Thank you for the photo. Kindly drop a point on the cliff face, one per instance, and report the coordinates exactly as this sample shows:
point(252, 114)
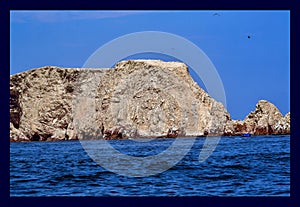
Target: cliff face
point(40, 107)
point(149, 98)
point(134, 99)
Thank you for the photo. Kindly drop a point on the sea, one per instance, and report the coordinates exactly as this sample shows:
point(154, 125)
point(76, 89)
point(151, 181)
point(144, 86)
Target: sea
point(255, 166)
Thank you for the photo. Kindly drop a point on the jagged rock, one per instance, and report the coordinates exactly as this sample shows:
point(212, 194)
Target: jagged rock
point(264, 120)
point(267, 118)
point(283, 126)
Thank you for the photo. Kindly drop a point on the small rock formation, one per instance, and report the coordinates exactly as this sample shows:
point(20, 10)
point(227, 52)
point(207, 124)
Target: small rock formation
point(265, 120)
point(136, 98)
point(174, 132)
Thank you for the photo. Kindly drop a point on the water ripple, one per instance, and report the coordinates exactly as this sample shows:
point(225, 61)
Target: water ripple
point(259, 166)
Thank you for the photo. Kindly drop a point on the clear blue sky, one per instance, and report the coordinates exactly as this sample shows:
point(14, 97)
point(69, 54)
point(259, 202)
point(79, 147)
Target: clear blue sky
point(251, 69)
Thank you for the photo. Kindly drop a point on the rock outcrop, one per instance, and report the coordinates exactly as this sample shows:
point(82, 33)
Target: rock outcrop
point(266, 119)
point(140, 98)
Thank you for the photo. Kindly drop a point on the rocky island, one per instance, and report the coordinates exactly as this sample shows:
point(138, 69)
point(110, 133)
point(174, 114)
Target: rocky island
point(136, 98)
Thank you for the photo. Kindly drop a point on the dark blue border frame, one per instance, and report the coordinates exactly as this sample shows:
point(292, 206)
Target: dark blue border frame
point(7, 5)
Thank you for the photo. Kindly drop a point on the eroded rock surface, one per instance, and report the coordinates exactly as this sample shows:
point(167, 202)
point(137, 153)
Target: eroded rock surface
point(266, 119)
point(40, 102)
point(140, 98)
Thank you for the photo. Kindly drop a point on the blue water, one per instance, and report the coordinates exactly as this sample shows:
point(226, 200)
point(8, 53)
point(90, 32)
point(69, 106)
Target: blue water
point(256, 166)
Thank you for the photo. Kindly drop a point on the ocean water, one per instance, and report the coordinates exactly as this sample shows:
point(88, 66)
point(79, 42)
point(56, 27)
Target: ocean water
point(256, 166)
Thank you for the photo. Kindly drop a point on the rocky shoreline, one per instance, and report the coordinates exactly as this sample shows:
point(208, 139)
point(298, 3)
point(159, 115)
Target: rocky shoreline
point(135, 99)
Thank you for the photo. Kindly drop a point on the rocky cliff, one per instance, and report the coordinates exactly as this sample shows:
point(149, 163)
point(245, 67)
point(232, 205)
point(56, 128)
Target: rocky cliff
point(140, 98)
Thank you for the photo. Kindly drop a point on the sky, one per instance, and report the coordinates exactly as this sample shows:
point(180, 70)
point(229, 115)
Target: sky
point(250, 69)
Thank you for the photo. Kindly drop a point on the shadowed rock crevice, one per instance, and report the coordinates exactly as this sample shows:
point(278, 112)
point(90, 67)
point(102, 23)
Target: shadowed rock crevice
point(15, 108)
